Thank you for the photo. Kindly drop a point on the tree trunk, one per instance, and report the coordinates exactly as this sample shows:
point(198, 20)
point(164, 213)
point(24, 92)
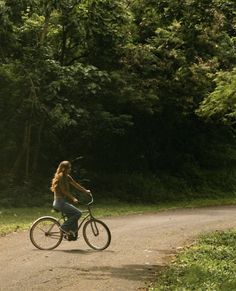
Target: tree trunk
point(24, 150)
point(44, 32)
point(63, 45)
point(37, 146)
point(27, 150)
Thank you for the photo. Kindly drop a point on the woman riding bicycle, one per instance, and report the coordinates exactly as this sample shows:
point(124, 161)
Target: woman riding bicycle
point(61, 188)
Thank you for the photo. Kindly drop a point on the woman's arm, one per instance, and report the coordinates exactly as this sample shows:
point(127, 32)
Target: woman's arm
point(78, 186)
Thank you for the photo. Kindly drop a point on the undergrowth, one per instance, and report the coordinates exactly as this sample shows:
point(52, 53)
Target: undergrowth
point(208, 265)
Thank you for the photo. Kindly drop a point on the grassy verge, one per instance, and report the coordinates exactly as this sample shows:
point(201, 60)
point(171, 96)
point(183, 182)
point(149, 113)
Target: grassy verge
point(208, 265)
point(13, 219)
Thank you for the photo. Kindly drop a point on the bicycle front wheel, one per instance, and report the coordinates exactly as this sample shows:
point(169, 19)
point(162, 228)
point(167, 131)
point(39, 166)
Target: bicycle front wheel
point(45, 233)
point(96, 234)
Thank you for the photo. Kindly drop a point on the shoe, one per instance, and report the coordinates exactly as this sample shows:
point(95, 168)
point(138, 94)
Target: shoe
point(69, 235)
point(72, 236)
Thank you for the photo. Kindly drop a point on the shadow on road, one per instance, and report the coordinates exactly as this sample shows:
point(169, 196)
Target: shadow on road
point(81, 252)
point(129, 272)
point(74, 251)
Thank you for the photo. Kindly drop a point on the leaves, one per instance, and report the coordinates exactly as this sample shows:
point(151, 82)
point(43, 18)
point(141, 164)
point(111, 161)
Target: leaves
point(208, 265)
point(221, 103)
point(131, 72)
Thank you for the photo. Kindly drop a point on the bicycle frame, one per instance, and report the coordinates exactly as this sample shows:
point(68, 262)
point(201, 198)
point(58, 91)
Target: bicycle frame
point(88, 211)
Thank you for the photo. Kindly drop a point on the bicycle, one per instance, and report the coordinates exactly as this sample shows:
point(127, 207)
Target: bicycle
point(46, 234)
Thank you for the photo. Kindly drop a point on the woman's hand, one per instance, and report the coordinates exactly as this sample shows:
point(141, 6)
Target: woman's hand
point(75, 200)
point(88, 192)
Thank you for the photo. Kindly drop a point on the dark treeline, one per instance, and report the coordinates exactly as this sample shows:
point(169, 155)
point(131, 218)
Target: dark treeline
point(140, 94)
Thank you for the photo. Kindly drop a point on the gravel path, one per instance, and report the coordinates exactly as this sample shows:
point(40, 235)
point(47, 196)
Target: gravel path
point(140, 245)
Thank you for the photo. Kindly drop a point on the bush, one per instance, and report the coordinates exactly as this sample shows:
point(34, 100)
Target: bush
point(25, 195)
point(207, 265)
point(188, 184)
point(137, 187)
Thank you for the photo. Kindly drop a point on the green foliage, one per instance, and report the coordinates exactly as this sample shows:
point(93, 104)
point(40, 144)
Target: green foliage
point(208, 265)
point(34, 194)
point(193, 184)
point(221, 103)
point(117, 82)
point(15, 219)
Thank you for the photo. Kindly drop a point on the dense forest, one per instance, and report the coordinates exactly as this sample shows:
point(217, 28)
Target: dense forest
point(139, 94)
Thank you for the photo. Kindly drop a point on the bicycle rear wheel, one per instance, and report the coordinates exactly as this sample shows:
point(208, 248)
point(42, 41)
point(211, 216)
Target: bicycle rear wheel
point(45, 233)
point(96, 234)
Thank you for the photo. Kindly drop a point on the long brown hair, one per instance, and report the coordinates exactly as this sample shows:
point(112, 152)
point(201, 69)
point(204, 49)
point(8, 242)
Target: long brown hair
point(63, 166)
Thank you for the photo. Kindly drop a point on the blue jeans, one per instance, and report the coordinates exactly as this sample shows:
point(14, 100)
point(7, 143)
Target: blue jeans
point(72, 213)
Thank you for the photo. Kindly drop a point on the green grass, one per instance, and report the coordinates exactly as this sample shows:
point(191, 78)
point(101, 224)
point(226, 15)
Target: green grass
point(208, 265)
point(14, 219)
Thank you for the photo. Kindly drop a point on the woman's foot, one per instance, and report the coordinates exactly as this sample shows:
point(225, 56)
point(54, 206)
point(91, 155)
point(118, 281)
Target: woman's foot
point(70, 235)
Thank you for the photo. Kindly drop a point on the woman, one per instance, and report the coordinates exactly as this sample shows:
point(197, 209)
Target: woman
point(61, 188)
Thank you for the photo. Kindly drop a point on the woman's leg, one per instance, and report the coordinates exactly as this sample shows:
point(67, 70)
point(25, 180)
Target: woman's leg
point(73, 215)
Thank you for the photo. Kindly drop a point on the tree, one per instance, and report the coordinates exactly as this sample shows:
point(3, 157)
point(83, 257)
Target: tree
point(118, 81)
point(220, 105)
point(54, 72)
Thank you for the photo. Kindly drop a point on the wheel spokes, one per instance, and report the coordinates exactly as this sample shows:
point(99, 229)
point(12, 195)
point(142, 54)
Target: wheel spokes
point(45, 233)
point(97, 234)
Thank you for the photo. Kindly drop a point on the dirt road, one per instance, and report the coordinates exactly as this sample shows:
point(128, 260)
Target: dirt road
point(141, 244)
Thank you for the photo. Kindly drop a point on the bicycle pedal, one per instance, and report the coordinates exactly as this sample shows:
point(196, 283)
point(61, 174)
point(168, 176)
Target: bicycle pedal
point(65, 236)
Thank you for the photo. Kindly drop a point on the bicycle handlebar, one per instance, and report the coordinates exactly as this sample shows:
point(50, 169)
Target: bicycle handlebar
point(86, 204)
point(91, 201)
